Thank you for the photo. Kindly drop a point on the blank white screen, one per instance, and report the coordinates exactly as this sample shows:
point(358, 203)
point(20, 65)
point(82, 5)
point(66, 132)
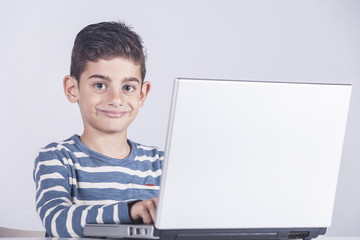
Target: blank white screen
point(253, 154)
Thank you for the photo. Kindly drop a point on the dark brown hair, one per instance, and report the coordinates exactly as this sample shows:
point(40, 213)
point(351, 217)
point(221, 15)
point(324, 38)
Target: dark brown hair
point(106, 40)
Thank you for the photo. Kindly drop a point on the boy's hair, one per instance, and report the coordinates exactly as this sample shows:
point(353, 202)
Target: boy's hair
point(106, 40)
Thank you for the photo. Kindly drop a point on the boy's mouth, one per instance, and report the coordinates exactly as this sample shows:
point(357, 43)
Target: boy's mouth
point(113, 113)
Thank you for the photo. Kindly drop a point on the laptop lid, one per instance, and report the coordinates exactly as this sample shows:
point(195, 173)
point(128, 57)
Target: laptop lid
point(252, 155)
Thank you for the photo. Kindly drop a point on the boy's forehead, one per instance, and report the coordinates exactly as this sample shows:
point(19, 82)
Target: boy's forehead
point(117, 66)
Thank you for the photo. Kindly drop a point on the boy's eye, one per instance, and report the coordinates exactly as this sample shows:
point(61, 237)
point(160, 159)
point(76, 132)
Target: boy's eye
point(128, 88)
point(100, 85)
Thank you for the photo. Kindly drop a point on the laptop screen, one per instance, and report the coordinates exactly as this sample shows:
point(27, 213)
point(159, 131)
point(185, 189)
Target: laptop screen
point(245, 154)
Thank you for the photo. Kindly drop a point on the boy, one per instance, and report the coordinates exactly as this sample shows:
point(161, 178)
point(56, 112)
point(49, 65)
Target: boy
point(100, 176)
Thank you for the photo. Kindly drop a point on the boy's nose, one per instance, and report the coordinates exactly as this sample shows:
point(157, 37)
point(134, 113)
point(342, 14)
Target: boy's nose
point(115, 98)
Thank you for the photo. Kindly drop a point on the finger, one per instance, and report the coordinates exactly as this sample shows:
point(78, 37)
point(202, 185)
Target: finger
point(152, 210)
point(155, 199)
point(146, 217)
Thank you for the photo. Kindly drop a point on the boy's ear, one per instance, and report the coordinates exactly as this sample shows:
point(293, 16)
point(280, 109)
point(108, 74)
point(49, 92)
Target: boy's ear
point(71, 89)
point(144, 92)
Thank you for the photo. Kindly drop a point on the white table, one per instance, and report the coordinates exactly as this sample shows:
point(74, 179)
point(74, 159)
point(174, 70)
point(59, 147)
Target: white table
point(337, 238)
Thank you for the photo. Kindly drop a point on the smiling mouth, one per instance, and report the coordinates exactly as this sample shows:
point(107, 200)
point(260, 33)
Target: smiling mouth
point(113, 113)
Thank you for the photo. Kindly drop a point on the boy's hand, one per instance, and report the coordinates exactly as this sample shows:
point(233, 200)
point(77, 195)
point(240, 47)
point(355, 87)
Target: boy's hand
point(144, 210)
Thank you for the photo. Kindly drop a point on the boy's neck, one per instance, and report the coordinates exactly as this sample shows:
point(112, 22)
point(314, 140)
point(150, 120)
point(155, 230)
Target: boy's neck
point(111, 145)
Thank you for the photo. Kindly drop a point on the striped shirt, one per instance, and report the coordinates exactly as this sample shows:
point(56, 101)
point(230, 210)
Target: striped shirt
point(75, 185)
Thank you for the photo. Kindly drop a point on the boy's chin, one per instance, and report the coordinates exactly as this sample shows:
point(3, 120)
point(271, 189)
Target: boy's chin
point(111, 130)
point(114, 131)
point(107, 128)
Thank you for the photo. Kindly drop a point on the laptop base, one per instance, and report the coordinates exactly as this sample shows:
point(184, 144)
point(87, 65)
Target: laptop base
point(150, 232)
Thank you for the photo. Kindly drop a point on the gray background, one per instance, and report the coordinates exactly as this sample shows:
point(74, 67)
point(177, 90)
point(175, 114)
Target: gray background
point(285, 40)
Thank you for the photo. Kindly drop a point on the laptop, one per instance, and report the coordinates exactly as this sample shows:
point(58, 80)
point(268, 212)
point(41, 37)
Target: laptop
point(247, 160)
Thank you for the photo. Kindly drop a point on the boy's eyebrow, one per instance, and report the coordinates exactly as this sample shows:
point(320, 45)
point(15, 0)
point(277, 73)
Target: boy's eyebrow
point(131, 79)
point(107, 78)
point(101, 77)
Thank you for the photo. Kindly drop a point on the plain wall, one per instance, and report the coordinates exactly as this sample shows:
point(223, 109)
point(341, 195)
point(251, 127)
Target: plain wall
point(284, 40)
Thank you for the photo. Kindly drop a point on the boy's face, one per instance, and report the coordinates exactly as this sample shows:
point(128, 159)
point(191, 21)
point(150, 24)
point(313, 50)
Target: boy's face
point(110, 94)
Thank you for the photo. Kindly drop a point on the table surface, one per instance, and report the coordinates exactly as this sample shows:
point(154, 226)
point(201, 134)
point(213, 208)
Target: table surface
point(337, 238)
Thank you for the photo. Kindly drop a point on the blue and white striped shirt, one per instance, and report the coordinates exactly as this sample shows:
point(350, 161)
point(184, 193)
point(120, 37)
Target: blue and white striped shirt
point(75, 185)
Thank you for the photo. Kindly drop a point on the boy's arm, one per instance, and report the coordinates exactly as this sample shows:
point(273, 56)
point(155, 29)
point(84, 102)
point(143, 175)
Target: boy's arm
point(55, 207)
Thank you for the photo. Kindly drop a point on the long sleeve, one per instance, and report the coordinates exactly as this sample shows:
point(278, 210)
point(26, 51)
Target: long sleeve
point(76, 186)
point(54, 203)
